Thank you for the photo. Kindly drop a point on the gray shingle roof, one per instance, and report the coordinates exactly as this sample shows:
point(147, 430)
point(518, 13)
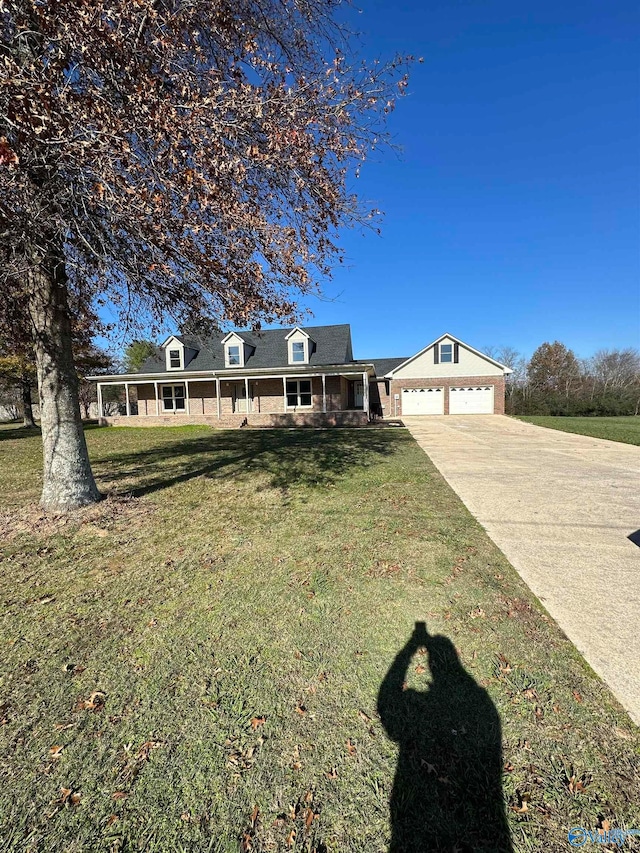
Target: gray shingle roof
point(331, 345)
point(382, 365)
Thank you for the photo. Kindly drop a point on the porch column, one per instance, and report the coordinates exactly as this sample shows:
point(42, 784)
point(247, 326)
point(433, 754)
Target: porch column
point(100, 408)
point(365, 392)
point(246, 393)
point(186, 395)
point(155, 388)
point(126, 396)
point(218, 401)
point(324, 393)
point(284, 391)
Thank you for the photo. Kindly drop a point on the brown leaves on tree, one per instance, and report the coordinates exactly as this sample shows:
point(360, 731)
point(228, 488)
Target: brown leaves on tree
point(184, 158)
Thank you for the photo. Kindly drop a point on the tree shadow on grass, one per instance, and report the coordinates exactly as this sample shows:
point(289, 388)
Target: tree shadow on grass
point(289, 458)
point(10, 431)
point(447, 792)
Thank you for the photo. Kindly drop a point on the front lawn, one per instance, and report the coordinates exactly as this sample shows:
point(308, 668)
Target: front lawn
point(625, 429)
point(195, 664)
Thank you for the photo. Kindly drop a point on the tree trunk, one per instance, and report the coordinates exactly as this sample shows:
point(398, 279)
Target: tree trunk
point(27, 407)
point(68, 479)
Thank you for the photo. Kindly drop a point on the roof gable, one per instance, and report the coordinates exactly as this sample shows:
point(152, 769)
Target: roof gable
point(452, 338)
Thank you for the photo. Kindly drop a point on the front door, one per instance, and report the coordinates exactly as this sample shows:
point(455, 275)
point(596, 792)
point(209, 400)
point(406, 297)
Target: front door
point(358, 395)
point(240, 404)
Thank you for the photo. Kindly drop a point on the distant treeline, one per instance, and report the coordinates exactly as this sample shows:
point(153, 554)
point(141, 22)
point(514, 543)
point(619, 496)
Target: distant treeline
point(554, 381)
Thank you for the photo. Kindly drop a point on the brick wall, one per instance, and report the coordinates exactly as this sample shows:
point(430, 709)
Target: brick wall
point(268, 397)
point(235, 421)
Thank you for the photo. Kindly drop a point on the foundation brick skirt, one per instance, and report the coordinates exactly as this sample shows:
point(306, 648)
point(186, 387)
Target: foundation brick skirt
point(235, 421)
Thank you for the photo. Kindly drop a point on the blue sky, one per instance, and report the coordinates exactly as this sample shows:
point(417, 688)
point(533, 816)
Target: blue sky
point(512, 214)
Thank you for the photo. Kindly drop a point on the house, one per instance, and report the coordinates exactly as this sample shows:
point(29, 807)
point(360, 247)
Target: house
point(302, 376)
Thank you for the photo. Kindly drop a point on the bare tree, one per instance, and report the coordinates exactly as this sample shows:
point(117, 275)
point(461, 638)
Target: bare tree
point(172, 158)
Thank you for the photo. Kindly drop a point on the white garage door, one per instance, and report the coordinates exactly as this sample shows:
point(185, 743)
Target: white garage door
point(476, 400)
point(422, 401)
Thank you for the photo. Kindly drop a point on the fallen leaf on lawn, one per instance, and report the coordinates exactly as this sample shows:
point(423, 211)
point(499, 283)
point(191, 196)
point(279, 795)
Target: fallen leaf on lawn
point(505, 666)
point(509, 767)
point(524, 807)
point(576, 696)
point(420, 669)
point(539, 712)
point(73, 668)
point(530, 694)
point(300, 709)
point(119, 795)
point(365, 719)
point(256, 722)
point(605, 825)
point(145, 749)
point(95, 702)
point(4, 716)
point(332, 774)
point(63, 726)
point(351, 747)
point(291, 838)
point(254, 815)
point(185, 816)
point(477, 613)
point(112, 819)
point(55, 752)
point(308, 818)
point(68, 795)
point(576, 786)
point(46, 599)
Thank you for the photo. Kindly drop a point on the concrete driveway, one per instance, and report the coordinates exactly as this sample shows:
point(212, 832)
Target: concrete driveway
point(560, 507)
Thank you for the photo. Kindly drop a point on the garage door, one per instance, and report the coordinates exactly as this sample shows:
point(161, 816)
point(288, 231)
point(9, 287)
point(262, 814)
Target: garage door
point(476, 400)
point(422, 401)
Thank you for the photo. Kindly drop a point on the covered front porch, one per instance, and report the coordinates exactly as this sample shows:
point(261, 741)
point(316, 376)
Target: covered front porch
point(301, 399)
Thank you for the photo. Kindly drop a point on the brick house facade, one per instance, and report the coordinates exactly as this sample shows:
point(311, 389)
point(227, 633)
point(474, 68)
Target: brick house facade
point(298, 377)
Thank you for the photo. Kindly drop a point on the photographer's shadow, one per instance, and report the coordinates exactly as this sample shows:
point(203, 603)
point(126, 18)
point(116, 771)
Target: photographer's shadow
point(447, 793)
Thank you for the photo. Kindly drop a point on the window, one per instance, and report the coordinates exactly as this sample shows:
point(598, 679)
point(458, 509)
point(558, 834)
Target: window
point(446, 353)
point(173, 398)
point(233, 355)
point(297, 351)
point(175, 359)
point(298, 393)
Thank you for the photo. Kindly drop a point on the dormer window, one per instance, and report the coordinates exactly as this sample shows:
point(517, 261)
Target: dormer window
point(297, 352)
point(236, 350)
point(174, 354)
point(299, 346)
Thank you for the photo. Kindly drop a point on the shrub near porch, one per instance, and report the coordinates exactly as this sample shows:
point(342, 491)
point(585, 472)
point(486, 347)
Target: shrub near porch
point(194, 664)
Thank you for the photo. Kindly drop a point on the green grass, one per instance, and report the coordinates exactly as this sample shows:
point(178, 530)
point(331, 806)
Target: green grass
point(238, 601)
point(625, 429)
